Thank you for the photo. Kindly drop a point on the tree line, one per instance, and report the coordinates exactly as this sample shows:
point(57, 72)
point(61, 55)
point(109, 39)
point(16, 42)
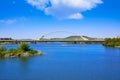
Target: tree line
point(112, 42)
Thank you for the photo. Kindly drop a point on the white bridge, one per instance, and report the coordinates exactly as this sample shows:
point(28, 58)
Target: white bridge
point(68, 32)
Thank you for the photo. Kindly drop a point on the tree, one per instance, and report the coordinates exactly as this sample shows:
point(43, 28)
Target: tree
point(24, 47)
point(112, 42)
point(2, 51)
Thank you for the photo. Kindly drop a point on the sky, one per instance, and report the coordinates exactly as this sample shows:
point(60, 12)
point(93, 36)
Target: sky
point(30, 19)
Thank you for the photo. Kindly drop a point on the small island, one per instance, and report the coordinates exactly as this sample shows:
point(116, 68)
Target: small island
point(23, 50)
point(112, 42)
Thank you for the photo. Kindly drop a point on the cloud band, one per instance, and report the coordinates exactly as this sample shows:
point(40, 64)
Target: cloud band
point(65, 9)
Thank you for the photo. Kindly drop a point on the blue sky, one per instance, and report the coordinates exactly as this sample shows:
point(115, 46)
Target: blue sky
point(33, 18)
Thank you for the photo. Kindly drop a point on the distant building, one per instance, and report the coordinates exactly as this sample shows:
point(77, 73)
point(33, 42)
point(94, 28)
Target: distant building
point(6, 39)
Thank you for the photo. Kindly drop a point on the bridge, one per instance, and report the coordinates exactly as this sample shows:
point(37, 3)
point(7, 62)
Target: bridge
point(76, 38)
point(35, 41)
point(75, 34)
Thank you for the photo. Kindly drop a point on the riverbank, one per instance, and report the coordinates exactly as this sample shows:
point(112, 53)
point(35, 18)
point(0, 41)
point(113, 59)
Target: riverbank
point(112, 42)
point(117, 46)
point(23, 50)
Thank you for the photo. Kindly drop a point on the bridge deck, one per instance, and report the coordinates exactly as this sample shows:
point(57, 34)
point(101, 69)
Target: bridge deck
point(51, 40)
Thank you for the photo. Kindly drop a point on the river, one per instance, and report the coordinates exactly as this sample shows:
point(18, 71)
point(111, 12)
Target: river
point(63, 61)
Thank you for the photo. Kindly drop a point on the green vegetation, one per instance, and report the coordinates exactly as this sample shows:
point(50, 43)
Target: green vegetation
point(14, 42)
point(24, 47)
point(112, 42)
point(2, 51)
point(23, 50)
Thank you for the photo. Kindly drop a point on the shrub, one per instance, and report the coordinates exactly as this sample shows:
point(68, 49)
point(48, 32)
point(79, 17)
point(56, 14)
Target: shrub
point(24, 47)
point(112, 42)
point(2, 51)
point(13, 51)
point(33, 51)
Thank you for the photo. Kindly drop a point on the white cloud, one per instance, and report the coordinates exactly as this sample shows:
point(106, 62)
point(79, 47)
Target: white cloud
point(13, 21)
point(40, 4)
point(9, 21)
point(75, 16)
point(65, 9)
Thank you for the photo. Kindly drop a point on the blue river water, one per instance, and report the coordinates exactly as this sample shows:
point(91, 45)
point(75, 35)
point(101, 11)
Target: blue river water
point(64, 62)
